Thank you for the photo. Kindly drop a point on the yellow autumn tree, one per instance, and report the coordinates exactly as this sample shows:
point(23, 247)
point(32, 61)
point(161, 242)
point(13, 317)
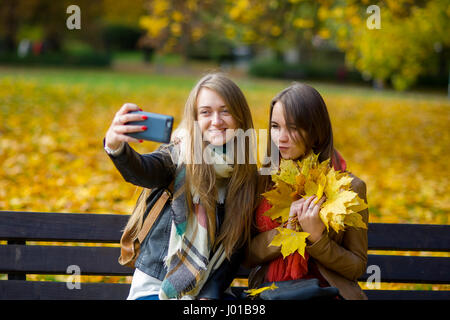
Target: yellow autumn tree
point(278, 24)
point(408, 43)
point(411, 41)
point(172, 25)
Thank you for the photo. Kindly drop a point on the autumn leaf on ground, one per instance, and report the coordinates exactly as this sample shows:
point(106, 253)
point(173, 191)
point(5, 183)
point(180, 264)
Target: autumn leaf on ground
point(254, 292)
point(290, 241)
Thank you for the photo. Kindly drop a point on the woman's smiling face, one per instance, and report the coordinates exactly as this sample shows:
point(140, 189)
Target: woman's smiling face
point(216, 122)
point(285, 135)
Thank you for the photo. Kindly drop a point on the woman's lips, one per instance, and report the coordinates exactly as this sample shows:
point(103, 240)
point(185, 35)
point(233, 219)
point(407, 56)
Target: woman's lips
point(217, 131)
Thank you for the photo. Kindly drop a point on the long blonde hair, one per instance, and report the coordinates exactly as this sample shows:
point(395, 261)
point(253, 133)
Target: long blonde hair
point(240, 201)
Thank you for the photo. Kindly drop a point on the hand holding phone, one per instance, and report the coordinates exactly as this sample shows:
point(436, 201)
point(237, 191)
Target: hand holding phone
point(159, 127)
point(126, 122)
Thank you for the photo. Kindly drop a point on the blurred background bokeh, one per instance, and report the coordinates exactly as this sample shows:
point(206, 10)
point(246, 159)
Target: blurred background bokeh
point(385, 80)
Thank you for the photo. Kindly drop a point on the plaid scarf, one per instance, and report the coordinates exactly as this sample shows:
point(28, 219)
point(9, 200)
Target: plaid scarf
point(188, 260)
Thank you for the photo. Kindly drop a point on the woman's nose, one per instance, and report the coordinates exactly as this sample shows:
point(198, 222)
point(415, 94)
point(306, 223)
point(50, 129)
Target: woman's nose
point(216, 119)
point(284, 136)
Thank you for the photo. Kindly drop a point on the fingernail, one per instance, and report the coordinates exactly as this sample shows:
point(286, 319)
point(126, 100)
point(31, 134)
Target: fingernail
point(144, 117)
point(141, 141)
point(144, 127)
point(140, 109)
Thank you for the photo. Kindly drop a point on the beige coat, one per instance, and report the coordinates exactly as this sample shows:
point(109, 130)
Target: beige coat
point(341, 257)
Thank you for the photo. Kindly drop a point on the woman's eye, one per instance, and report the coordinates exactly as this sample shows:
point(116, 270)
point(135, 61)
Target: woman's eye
point(225, 111)
point(274, 126)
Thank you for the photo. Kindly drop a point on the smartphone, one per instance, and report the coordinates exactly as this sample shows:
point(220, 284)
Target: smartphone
point(159, 127)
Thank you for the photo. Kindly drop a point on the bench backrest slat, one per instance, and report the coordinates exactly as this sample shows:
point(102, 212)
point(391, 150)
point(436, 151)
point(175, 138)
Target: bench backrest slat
point(410, 269)
point(409, 237)
point(406, 269)
point(56, 259)
point(74, 227)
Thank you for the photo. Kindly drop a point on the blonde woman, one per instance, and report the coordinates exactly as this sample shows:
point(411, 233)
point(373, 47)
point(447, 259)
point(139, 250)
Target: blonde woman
point(196, 246)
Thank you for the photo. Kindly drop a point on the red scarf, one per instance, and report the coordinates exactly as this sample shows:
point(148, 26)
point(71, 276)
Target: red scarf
point(293, 266)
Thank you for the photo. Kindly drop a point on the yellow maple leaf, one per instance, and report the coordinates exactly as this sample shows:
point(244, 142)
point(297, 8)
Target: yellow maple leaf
point(336, 221)
point(288, 172)
point(310, 189)
point(357, 205)
point(336, 201)
point(290, 241)
point(354, 219)
point(322, 182)
point(300, 184)
point(307, 163)
point(334, 206)
point(324, 166)
point(275, 213)
point(337, 181)
point(280, 199)
point(277, 195)
point(315, 186)
point(254, 292)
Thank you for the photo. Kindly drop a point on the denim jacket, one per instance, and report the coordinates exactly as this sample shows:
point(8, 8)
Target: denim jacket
point(157, 170)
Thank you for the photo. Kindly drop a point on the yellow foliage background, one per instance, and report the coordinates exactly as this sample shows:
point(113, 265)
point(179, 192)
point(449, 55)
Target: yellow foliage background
point(53, 123)
point(52, 157)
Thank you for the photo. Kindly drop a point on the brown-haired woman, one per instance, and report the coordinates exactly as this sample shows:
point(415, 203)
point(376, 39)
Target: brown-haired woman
point(299, 124)
point(196, 246)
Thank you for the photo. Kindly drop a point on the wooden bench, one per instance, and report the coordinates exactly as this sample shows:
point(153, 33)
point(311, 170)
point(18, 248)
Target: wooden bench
point(17, 258)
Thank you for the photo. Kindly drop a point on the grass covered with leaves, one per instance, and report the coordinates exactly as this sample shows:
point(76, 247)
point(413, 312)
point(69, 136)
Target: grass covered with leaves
point(53, 123)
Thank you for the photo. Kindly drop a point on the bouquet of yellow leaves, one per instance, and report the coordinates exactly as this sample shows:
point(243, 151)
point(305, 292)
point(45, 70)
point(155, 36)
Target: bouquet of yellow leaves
point(306, 178)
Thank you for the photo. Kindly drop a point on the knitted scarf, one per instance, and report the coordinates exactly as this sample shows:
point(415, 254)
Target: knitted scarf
point(188, 260)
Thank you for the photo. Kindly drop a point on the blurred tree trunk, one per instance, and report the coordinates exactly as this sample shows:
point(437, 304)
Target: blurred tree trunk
point(9, 23)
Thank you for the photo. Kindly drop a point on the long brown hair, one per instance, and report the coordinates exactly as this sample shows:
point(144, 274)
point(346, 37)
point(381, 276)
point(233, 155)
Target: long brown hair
point(240, 203)
point(304, 108)
point(240, 199)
